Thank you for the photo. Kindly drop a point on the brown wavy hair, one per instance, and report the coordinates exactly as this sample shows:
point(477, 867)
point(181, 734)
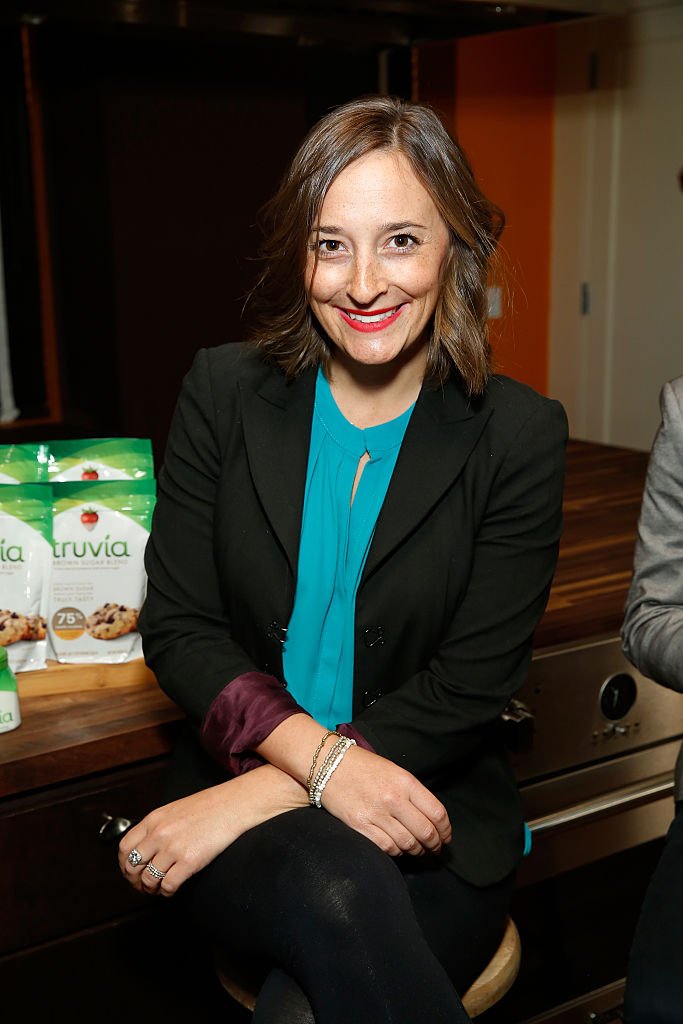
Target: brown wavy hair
point(287, 332)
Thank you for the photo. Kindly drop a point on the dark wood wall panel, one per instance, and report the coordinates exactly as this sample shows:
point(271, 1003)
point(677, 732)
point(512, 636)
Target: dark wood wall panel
point(160, 149)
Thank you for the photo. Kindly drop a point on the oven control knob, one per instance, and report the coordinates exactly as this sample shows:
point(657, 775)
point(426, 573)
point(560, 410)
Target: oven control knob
point(518, 723)
point(617, 696)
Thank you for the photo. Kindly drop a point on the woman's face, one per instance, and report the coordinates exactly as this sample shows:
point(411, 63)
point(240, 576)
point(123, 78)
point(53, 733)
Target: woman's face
point(381, 250)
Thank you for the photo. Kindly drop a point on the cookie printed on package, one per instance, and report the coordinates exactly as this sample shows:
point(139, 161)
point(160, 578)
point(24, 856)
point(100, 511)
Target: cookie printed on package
point(101, 458)
point(23, 463)
point(98, 576)
point(25, 569)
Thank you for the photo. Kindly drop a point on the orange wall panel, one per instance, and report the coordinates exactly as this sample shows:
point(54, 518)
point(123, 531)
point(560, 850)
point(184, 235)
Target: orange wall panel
point(503, 94)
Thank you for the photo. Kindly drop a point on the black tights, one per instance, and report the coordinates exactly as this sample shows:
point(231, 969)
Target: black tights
point(353, 935)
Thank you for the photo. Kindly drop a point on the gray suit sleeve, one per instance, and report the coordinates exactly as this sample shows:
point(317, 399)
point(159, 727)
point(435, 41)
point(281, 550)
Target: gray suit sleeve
point(652, 633)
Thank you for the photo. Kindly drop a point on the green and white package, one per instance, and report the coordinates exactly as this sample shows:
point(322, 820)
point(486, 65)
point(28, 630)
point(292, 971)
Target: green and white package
point(25, 569)
point(98, 573)
point(23, 463)
point(101, 458)
point(10, 715)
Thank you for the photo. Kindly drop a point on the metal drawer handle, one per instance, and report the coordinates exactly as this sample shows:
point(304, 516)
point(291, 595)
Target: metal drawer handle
point(112, 828)
point(646, 791)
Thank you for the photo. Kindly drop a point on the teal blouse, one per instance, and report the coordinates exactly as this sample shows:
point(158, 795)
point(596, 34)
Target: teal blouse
point(336, 534)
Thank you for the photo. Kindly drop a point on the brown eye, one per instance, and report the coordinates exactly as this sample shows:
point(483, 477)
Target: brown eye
point(403, 243)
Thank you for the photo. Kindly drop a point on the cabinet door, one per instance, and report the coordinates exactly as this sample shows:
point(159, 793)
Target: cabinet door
point(56, 874)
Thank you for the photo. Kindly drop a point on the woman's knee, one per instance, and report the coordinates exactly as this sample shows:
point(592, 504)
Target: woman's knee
point(296, 877)
point(339, 875)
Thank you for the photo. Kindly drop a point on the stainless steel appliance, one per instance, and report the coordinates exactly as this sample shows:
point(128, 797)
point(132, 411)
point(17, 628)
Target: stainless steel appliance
point(596, 747)
point(593, 743)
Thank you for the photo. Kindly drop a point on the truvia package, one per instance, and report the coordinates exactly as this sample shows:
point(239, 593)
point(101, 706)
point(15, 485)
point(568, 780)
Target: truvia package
point(25, 570)
point(101, 458)
point(98, 575)
point(23, 463)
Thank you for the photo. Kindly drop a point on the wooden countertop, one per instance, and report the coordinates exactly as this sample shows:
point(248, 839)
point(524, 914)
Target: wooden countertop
point(79, 719)
point(603, 492)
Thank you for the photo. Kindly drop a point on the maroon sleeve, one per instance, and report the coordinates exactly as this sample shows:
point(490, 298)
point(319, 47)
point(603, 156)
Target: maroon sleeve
point(244, 713)
point(241, 716)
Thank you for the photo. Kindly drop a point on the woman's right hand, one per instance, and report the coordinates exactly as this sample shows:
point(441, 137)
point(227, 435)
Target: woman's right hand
point(182, 837)
point(387, 804)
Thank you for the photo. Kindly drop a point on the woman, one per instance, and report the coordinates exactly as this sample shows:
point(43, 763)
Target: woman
point(355, 536)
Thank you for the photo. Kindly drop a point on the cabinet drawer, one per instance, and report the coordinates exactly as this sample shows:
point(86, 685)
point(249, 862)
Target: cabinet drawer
point(56, 874)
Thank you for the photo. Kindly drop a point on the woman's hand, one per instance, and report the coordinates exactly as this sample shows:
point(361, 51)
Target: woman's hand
point(181, 838)
point(387, 804)
point(367, 792)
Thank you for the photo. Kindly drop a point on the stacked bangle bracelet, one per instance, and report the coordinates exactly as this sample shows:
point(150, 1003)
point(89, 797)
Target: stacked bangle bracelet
point(316, 782)
point(316, 755)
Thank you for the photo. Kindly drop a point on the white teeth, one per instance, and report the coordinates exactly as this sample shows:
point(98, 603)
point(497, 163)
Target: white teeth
point(370, 319)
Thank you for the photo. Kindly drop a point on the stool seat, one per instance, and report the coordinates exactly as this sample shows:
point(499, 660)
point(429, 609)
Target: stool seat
point(498, 976)
point(242, 976)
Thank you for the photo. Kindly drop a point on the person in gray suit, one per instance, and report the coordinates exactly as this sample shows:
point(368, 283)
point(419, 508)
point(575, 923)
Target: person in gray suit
point(652, 638)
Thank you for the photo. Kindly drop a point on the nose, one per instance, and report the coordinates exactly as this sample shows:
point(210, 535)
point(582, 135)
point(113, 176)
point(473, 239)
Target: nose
point(367, 280)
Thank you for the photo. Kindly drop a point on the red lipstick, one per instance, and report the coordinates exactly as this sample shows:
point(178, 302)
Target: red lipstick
point(367, 325)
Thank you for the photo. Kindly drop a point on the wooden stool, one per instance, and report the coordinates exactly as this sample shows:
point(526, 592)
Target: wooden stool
point(242, 977)
point(498, 976)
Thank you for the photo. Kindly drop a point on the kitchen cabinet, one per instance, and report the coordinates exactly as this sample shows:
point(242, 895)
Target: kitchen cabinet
point(93, 745)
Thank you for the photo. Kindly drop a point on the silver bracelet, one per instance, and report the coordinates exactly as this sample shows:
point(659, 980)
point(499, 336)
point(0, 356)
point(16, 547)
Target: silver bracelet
point(328, 769)
point(338, 745)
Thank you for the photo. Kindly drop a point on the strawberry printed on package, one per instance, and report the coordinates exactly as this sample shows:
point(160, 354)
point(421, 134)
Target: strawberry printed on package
point(23, 463)
point(98, 575)
point(25, 569)
point(101, 458)
point(89, 518)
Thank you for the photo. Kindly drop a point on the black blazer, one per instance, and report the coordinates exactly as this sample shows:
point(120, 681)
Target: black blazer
point(455, 582)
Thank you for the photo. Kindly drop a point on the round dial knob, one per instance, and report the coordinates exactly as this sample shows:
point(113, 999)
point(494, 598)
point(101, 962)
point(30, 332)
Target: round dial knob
point(617, 696)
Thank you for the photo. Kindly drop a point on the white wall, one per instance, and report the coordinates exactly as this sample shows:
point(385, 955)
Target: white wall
point(618, 223)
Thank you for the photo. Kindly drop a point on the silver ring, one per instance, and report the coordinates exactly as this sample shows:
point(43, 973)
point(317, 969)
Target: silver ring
point(135, 858)
point(155, 872)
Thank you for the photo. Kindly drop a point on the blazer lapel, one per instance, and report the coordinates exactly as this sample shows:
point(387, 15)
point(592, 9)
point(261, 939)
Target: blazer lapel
point(277, 417)
point(277, 430)
point(443, 430)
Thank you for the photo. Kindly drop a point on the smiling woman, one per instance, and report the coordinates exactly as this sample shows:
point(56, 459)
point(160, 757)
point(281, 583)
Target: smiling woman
point(374, 273)
point(355, 534)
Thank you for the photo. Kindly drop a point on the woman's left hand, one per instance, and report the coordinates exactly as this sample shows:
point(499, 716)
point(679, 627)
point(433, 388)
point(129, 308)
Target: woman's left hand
point(177, 840)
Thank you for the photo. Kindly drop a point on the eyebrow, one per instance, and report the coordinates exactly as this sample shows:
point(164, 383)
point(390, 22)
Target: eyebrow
point(334, 229)
point(402, 225)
